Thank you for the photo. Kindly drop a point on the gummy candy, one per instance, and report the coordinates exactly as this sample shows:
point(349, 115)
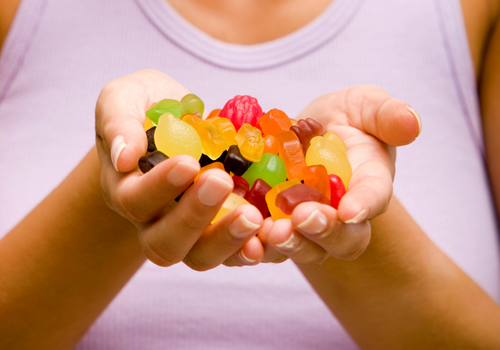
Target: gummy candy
point(242, 110)
point(270, 168)
point(232, 202)
point(174, 137)
point(150, 134)
point(291, 152)
point(276, 212)
point(337, 190)
point(250, 142)
point(214, 113)
point(305, 130)
point(148, 124)
point(316, 177)
point(274, 121)
point(225, 127)
point(257, 196)
point(330, 135)
point(271, 144)
point(214, 165)
point(235, 162)
point(191, 104)
point(240, 186)
point(288, 199)
point(149, 161)
point(324, 151)
point(164, 106)
point(212, 141)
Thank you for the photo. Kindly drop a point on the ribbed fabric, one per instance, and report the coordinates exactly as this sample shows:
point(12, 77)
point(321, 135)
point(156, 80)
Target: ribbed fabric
point(59, 55)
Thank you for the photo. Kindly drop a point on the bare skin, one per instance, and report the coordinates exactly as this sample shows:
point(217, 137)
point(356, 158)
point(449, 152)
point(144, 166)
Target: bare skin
point(68, 286)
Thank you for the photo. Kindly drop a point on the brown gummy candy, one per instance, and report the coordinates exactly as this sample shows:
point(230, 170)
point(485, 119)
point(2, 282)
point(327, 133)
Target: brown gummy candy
point(288, 199)
point(151, 160)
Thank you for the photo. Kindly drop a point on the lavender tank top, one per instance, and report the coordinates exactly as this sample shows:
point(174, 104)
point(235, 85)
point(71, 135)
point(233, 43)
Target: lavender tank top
point(59, 55)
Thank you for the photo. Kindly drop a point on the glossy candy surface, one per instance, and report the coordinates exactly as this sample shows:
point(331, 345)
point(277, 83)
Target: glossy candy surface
point(257, 196)
point(150, 160)
point(150, 134)
point(274, 121)
point(250, 143)
point(232, 202)
point(276, 212)
point(241, 186)
point(325, 152)
point(288, 199)
point(330, 135)
point(270, 168)
point(212, 141)
point(164, 106)
point(337, 190)
point(174, 137)
point(242, 109)
point(305, 130)
point(271, 144)
point(235, 162)
point(316, 177)
point(290, 150)
point(192, 104)
point(225, 127)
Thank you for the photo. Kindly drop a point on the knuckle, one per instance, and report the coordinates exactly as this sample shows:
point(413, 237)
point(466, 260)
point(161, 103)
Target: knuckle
point(160, 257)
point(132, 213)
point(190, 223)
point(195, 262)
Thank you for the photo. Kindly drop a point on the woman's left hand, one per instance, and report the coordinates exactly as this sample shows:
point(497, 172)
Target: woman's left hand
point(372, 124)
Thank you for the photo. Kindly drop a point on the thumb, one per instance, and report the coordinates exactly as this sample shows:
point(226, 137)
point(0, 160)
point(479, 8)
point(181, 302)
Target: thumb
point(369, 109)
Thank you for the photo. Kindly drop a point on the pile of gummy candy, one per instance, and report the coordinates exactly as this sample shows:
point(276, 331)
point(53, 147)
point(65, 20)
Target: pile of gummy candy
point(275, 162)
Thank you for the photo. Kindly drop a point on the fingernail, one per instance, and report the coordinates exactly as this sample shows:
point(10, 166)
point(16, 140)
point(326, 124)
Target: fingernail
point(117, 147)
point(241, 227)
point(362, 215)
point(314, 224)
point(213, 190)
point(241, 255)
point(182, 173)
point(291, 242)
point(417, 116)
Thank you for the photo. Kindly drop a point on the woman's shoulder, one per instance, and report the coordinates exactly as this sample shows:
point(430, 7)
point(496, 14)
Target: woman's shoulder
point(8, 10)
point(480, 17)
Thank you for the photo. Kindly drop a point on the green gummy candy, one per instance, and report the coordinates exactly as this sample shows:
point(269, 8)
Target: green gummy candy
point(192, 104)
point(270, 168)
point(162, 107)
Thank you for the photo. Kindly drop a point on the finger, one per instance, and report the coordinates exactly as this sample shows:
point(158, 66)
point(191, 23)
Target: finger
point(224, 238)
point(250, 254)
point(370, 187)
point(120, 114)
point(168, 240)
point(319, 224)
point(271, 255)
point(369, 109)
point(290, 242)
point(142, 197)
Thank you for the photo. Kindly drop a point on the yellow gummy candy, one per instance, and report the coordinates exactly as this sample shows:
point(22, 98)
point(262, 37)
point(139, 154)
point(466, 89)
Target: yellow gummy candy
point(231, 203)
point(174, 137)
point(330, 135)
point(325, 151)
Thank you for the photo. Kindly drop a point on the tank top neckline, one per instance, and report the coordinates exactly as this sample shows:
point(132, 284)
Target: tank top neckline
point(273, 53)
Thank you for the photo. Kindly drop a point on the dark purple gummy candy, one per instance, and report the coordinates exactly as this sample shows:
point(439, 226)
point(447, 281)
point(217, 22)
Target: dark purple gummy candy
point(150, 160)
point(150, 133)
point(235, 162)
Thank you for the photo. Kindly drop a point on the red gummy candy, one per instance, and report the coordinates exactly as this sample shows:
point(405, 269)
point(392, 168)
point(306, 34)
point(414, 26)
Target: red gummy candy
point(240, 186)
point(337, 190)
point(288, 199)
point(242, 110)
point(257, 196)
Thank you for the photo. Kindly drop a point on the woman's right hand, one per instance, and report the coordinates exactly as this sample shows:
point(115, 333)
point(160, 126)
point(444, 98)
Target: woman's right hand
point(169, 231)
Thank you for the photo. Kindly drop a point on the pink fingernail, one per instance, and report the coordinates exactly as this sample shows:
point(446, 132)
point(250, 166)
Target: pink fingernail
point(314, 224)
point(417, 116)
point(362, 215)
point(117, 147)
point(182, 173)
point(290, 243)
point(241, 255)
point(213, 191)
point(241, 227)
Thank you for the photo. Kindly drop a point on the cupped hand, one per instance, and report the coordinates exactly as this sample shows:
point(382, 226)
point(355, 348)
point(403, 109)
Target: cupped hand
point(372, 124)
point(169, 231)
